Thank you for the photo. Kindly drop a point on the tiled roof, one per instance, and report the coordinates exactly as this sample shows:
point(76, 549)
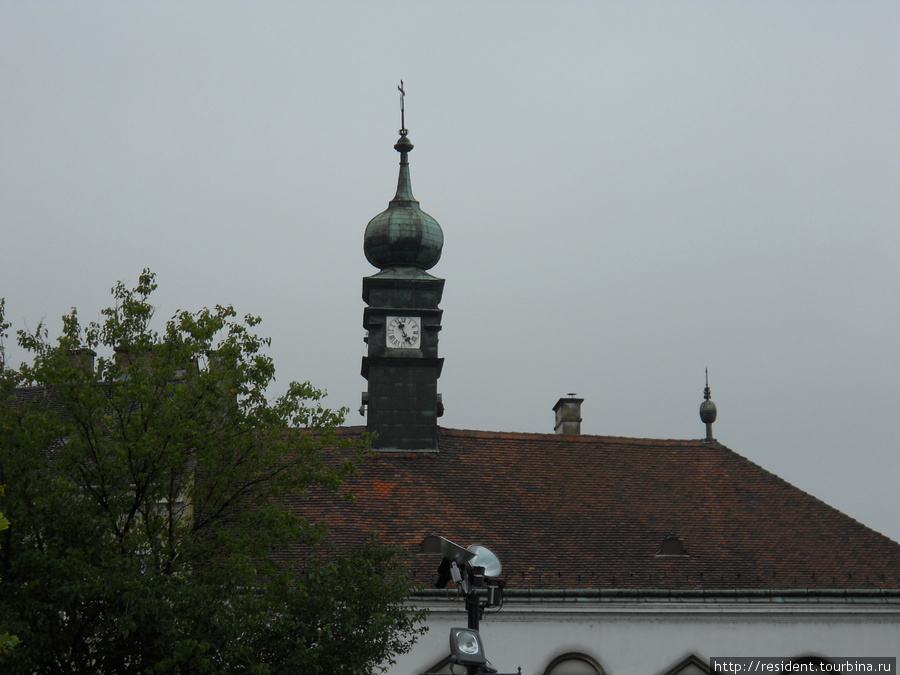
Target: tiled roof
point(37, 394)
point(591, 512)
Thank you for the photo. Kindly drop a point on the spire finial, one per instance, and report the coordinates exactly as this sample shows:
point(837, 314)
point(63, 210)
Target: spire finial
point(403, 145)
point(403, 129)
point(403, 236)
point(708, 410)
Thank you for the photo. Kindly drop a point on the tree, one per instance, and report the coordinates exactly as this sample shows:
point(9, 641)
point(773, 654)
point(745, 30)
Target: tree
point(7, 641)
point(150, 531)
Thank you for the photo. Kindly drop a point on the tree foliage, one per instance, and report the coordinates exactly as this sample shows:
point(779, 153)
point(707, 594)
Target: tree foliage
point(150, 531)
point(7, 641)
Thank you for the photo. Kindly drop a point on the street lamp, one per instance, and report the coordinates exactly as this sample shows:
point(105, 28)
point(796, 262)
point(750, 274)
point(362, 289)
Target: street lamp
point(471, 568)
point(466, 648)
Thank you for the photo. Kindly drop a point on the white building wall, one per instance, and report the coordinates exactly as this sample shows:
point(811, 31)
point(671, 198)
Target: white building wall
point(643, 638)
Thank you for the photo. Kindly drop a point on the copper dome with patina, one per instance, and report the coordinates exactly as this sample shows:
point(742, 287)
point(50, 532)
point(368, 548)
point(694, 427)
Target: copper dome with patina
point(403, 235)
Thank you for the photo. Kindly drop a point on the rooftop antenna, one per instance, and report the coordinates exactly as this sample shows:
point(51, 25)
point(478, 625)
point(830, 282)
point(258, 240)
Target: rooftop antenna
point(403, 130)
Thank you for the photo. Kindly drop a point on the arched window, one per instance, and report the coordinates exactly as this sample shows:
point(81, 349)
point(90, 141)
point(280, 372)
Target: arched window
point(439, 668)
point(574, 663)
point(692, 665)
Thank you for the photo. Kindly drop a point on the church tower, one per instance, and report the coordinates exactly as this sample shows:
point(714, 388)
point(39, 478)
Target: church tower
point(402, 318)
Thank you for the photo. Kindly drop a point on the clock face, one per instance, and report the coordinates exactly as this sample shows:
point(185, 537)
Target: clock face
point(403, 332)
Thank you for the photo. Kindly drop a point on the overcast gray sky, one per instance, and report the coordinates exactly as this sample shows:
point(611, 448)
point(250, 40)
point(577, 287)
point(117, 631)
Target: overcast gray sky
point(629, 192)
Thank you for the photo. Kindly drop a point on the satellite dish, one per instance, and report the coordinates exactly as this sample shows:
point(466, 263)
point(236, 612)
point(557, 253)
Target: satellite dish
point(447, 549)
point(485, 557)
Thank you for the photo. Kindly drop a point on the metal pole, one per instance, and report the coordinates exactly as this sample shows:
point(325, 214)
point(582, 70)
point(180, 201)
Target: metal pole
point(474, 615)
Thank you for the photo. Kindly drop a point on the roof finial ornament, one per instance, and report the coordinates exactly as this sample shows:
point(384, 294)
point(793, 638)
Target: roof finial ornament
point(708, 411)
point(403, 144)
point(403, 236)
point(403, 129)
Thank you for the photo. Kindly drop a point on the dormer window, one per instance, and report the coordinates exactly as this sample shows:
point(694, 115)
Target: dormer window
point(672, 547)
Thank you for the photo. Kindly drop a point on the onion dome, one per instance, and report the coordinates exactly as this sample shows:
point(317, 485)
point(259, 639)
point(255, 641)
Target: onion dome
point(403, 235)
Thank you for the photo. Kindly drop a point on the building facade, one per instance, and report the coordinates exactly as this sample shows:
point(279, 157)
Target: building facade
point(623, 556)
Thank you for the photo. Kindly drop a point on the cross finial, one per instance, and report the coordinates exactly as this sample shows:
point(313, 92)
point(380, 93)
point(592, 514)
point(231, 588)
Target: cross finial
point(707, 394)
point(402, 91)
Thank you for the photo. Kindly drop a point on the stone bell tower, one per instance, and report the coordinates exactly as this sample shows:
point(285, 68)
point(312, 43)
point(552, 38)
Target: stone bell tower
point(402, 318)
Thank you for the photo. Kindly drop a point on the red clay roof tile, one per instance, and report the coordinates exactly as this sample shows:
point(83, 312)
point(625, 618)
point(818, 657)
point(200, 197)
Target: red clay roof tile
point(588, 512)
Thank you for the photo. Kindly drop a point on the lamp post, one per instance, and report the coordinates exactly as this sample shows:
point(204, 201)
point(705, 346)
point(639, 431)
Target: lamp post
point(472, 568)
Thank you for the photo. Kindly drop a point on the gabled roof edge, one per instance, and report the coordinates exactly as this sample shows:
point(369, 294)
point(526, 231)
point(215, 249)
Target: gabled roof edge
point(774, 595)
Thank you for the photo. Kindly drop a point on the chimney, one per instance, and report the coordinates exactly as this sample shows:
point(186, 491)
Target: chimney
point(83, 358)
point(568, 415)
point(125, 357)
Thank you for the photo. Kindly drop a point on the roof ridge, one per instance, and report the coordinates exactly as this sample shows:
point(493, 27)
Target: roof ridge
point(578, 438)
